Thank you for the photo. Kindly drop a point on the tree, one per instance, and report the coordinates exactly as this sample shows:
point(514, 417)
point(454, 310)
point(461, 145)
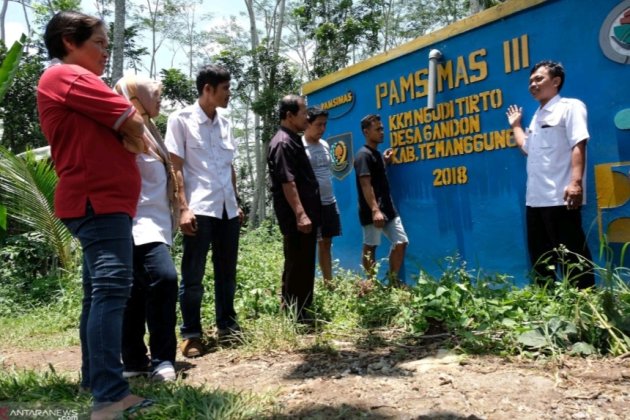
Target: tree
point(8, 68)
point(177, 87)
point(118, 44)
point(157, 17)
point(186, 35)
point(45, 10)
point(18, 110)
point(132, 53)
point(343, 31)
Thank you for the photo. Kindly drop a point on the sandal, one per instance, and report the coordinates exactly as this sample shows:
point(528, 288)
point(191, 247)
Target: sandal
point(138, 407)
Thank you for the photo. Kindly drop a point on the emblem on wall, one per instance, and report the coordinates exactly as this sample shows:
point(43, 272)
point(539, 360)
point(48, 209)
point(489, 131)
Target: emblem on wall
point(342, 155)
point(614, 35)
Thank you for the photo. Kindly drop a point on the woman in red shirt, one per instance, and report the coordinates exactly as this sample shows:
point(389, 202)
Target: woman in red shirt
point(90, 130)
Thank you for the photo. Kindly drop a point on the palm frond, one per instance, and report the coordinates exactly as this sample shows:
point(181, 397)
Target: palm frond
point(27, 188)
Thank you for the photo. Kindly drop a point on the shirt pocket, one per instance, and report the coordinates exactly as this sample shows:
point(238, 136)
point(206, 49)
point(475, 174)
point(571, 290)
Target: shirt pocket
point(551, 131)
point(226, 148)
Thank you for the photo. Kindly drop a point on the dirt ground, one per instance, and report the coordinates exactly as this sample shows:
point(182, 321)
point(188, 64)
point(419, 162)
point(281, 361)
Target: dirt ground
point(399, 381)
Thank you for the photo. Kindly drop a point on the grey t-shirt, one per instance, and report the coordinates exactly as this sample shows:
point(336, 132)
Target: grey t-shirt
point(319, 155)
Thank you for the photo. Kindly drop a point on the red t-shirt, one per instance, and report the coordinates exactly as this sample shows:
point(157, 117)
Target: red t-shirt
point(79, 115)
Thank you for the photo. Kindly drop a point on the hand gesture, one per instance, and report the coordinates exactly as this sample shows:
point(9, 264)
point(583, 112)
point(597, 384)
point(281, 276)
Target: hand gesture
point(387, 155)
point(514, 115)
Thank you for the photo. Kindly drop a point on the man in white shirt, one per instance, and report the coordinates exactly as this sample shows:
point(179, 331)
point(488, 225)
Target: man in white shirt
point(318, 153)
point(202, 150)
point(555, 145)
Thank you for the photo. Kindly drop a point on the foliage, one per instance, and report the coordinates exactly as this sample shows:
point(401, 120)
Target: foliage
point(476, 313)
point(177, 87)
point(156, 17)
point(44, 10)
point(27, 190)
point(29, 272)
point(133, 53)
point(10, 61)
point(9, 66)
point(19, 107)
point(172, 401)
point(340, 29)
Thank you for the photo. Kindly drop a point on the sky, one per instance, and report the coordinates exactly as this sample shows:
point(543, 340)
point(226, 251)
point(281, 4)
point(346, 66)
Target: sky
point(221, 9)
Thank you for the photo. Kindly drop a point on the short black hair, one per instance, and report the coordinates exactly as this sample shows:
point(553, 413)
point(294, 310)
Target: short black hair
point(367, 121)
point(212, 75)
point(73, 26)
point(313, 112)
point(555, 70)
point(289, 103)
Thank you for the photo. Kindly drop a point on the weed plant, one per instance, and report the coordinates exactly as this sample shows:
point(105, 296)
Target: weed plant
point(470, 311)
point(478, 313)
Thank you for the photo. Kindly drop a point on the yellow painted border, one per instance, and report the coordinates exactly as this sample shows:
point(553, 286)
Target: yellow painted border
point(464, 25)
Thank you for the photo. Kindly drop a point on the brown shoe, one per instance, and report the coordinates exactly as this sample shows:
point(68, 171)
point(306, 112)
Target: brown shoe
point(191, 347)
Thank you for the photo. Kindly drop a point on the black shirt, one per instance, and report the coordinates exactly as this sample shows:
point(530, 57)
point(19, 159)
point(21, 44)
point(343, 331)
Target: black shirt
point(370, 162)
point(287, 162)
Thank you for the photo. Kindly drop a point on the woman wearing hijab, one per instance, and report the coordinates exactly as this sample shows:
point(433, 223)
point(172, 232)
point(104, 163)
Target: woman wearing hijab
point(92, 133)
point(154, 293)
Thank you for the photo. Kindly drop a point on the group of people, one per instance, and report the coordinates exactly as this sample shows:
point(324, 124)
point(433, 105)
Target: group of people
point(123, 191)
point(305, 205)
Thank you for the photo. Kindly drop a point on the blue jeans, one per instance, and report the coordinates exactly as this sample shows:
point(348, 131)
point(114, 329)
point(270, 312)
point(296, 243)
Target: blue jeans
point(107, 275)
point(223, 235)
point(154, 300)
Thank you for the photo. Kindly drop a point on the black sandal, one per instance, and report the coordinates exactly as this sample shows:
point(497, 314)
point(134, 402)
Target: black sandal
point(137, 407)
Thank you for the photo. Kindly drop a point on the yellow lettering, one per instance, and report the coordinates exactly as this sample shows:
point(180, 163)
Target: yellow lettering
point(421, 78)
point(381, 92)
point(461, 71)
point(393, 93)
point(477, 64)
point(445, 73)
point(406, 86)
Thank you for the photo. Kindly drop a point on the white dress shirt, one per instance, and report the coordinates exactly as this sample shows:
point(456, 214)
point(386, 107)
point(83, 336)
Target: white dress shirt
point(208, 150)
point(555, 129)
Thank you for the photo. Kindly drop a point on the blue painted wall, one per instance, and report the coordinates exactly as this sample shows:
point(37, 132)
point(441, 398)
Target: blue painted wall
point(479, 215)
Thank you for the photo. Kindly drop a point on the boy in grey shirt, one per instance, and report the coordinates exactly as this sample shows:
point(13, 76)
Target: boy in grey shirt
point(318, 153)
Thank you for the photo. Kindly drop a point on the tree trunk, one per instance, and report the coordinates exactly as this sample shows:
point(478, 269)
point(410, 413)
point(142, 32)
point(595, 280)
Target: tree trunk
point(3, 15)
point(475, 6)
point(256, 215)
point(119, 40)
point(28, 23)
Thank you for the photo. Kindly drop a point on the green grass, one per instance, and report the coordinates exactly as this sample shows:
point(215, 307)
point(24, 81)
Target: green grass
point(472, 313)
point(49, 390)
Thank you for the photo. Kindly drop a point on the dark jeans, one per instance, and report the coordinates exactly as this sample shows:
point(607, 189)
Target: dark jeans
point(223, 235)
point(154, 300)
point(298, 277)
point(107, 276)
point(548, 228)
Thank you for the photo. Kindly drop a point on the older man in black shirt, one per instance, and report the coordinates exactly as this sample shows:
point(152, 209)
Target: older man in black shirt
point(297, 205)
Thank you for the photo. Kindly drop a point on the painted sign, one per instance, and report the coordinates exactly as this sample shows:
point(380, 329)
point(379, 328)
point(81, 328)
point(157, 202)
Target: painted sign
point(457, 177)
